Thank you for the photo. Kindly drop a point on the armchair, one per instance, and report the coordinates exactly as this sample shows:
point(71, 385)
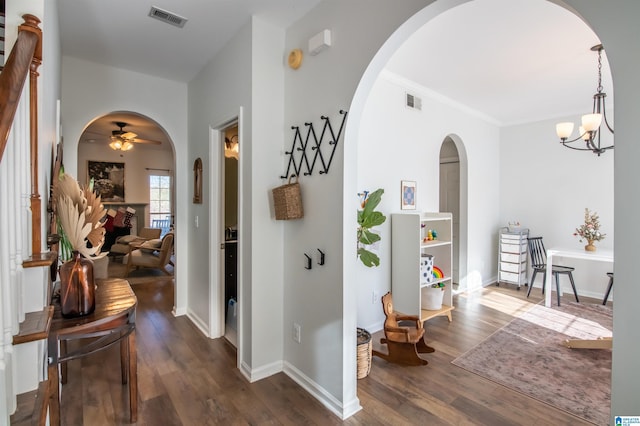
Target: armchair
point(123, 243)
point(403, 342)
point(151, 257)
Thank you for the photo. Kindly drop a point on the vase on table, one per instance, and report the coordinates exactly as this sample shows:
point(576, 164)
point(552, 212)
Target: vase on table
point(590, 246)
point(77, 287)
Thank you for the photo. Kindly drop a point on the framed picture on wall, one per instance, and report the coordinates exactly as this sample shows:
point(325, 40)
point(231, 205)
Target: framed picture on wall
point(197, 181)
point(108, 179)
point(408, 195)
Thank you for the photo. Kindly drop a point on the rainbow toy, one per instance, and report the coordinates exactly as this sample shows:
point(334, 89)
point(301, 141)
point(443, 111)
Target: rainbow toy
point(437, 273)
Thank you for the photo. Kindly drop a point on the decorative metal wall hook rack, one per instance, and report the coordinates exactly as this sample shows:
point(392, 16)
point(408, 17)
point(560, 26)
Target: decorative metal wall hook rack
point(299, 153)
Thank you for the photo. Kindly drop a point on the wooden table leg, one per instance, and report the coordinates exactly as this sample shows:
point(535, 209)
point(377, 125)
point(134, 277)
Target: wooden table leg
point(133, 377)
point(54, 395)
point(63, 365)
point(124, 359)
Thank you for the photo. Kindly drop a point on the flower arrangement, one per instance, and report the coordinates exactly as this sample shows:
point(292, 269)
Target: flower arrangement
point(79, 212)
point(590, 230)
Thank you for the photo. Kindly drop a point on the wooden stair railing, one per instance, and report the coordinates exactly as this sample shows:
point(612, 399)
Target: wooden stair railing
point(25, 57)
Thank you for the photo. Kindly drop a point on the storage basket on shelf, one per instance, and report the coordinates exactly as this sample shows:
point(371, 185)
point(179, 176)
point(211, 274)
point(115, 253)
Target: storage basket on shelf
point(432, 298)
point(364, 353)
point(287, 201)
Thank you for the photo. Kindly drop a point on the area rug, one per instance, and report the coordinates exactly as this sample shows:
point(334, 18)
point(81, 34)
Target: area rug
point(138, 276)
point(528, 355)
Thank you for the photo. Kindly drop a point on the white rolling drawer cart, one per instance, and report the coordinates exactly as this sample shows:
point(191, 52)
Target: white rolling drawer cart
point(512, 256)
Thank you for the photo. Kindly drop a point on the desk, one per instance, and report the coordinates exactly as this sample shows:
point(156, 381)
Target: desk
point(114, 320)
point(601, 255)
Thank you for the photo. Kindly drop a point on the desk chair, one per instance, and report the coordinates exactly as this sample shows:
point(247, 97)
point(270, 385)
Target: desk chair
point(539, 264)
point(606, 296)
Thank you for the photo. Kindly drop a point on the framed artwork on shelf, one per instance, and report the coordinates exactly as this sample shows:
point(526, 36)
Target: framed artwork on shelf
point(408, 195)
point(108, 180)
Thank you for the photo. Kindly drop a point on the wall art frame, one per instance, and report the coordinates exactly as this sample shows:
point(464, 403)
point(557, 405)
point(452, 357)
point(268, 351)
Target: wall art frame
point(108, 180)
point(197, 181)
point(408, 192)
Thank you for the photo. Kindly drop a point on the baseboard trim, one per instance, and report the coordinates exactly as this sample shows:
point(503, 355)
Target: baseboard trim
point(343, 411)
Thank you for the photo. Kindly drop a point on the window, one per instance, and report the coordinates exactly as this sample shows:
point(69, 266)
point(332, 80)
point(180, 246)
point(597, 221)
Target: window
point(160, 202)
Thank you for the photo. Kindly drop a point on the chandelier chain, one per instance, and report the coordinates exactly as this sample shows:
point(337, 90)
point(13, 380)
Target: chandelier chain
point(599, 71)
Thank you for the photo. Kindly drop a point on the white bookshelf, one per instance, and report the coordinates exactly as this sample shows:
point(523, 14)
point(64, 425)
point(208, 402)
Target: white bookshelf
point(408, 232)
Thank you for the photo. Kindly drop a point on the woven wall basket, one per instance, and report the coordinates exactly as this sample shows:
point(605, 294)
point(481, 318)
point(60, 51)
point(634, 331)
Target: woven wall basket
point(287, 201)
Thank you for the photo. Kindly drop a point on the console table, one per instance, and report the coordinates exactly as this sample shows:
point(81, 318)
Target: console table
point(113, 321)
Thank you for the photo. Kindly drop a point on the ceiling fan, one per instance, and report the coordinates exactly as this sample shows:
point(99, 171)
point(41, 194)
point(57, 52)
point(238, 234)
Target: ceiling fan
point(121, 140)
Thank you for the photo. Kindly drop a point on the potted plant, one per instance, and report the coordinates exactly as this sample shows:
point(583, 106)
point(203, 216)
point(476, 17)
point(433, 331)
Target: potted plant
point(368, 217)
point(590, 230)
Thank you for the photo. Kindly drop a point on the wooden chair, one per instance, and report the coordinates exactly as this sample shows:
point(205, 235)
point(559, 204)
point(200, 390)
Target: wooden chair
point(539, 264)
point(403, 342)
point(151, 257)
point(606, 296)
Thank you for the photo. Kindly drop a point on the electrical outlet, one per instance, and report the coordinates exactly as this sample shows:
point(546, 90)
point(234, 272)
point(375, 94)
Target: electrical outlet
point(297, 332)
point(375, 297)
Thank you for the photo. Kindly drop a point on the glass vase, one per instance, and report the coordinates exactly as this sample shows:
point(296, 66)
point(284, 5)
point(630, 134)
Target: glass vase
point(77, 288)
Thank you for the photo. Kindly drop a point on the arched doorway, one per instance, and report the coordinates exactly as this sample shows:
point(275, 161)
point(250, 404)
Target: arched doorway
point(143, 155)
point(453, 198)
point(483, 238)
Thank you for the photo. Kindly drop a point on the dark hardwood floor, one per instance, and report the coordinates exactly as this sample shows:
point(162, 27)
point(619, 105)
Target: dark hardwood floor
point(187, 379)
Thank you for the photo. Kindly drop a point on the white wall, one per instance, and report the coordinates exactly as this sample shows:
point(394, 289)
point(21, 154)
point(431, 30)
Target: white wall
point(91, 90)
point(320, 299)
point(246, 75)
point(397, 143)
point(216, 96)
point(546, 187)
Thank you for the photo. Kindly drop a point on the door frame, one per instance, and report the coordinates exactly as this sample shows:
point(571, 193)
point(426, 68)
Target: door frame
point(216, 227)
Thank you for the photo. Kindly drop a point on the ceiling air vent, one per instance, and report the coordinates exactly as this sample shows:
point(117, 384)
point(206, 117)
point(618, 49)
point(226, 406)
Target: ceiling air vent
point(168, 17)
point(414, 102)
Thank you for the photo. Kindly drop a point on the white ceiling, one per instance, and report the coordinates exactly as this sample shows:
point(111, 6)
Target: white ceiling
point(121, 34)
point(511, 61)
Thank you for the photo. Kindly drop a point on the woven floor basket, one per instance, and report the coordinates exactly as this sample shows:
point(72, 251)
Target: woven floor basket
point(287, 201)
point(364, 353)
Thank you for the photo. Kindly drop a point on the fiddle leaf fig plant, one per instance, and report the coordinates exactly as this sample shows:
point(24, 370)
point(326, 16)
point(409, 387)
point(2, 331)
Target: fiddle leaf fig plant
point(368, 217)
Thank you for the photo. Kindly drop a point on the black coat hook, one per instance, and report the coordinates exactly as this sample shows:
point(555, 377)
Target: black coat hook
point(321, 262)
point(308, 261)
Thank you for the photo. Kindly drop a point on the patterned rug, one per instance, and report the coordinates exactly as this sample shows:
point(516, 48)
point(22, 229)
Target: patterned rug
point(528, 355)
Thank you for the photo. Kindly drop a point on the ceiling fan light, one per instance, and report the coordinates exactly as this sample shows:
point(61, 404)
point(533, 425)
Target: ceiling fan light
point(564, 130)
point(126, 146)
point(115, 145)
point(591, 122)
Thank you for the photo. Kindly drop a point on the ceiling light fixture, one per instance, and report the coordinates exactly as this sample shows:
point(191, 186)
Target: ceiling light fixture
point(589, 132)
point(119, 144)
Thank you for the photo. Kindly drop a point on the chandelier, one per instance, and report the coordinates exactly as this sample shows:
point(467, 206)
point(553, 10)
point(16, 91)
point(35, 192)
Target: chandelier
point(589, 132)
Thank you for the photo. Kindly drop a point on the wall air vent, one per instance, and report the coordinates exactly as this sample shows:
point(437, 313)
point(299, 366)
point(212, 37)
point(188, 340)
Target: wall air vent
point(414, 102)
point(168, 17)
